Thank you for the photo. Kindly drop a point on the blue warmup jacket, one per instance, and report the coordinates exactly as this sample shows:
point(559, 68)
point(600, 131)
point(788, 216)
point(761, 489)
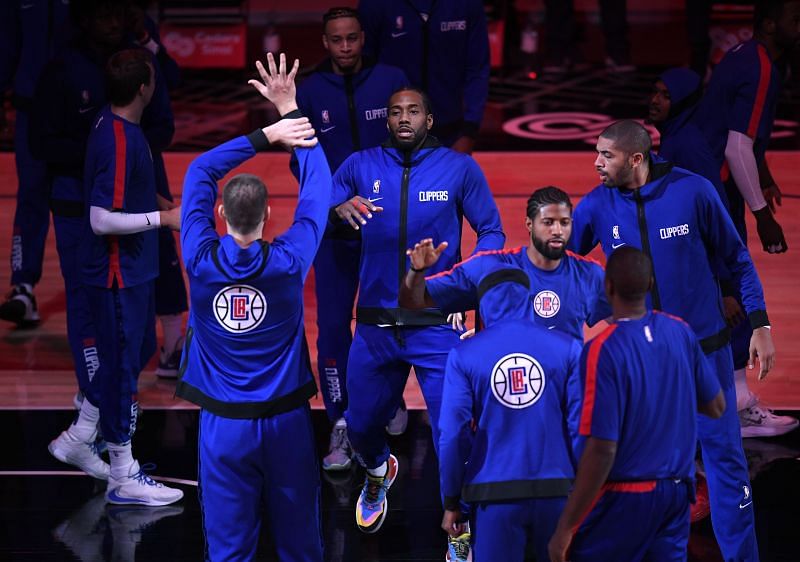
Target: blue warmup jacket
point(518, 381)
point(741, 96)
point(679, 221)
point(642, 380)
point(445, 54)
point(563, 299)
point(424, 194)
point(246, 354)
point(67, 100)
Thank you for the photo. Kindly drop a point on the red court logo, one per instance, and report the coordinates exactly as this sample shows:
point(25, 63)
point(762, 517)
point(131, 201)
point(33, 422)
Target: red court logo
point(517, 381)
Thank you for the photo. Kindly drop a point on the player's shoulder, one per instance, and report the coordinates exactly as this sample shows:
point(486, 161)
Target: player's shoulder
point(584, 263)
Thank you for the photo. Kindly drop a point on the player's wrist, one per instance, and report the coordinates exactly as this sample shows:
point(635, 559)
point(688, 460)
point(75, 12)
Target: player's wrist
point(418, 270)
point(285, 108)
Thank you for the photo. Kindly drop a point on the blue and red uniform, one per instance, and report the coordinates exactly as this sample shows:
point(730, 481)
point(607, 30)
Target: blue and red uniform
point(246, 363)
point(348, 113)
point(563, 299)
point(641, 382)
point(118, 270)
point(517, 382)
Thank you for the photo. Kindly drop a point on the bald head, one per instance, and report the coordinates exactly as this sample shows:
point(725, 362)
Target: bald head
point(629, 137)
point(629, 275)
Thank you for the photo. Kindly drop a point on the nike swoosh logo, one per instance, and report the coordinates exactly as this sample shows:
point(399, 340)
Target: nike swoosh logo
point(615, 246)
point(550, 327)
point(147, 219)
point(396, 35)
point(85, 109)
point(742, 506)
point(328, 129)
point(113, 496)
point(371, 200)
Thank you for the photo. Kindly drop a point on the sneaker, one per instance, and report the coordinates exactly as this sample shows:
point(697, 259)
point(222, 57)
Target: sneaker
point(83, 454)
point(372, 505)
point(759, 421)
point(701, 508)
point(397, 425)
point(139, 489)
point(340, 453)
point(458, 549)
point(20, 307)
point(84, 531)
point(170, 363)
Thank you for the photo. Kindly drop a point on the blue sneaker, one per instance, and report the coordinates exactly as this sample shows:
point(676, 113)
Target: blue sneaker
point(372, 506)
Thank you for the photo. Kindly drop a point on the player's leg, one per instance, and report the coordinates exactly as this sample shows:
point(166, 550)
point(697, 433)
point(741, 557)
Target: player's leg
point(292, 488)
point(500, 531)
point(230, 485)
point(336, 282)
point(170, 304)
point(726, 471)
point(544, 513)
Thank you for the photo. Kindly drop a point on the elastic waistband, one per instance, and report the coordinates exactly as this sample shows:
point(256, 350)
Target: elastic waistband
point(400, 316)
point(639, 486)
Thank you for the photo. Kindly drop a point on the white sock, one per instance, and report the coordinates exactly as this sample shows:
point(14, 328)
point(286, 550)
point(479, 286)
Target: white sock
point(120, 456)
point(379, 471)
point(172, 327)
point(85, 427)
point(744, 398)
point(340, 423)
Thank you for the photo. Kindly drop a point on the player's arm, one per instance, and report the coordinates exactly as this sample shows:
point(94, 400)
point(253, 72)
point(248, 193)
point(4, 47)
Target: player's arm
point(455, 439)
point(720, 233)
point(348, 206)
point(476, 79)
point(583, 239)
point(710, 398)
point(769, 187)
point(480, 209)
point(412, 292)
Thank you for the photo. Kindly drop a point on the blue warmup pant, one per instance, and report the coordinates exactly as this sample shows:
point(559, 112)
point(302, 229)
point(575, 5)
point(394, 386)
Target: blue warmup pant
point(126, 340)
point(729, 490)
point(32, 217)
point(336, 282)
point(631, 522)
point(81, 333)
point(170, 287)
point(246, 465)
point(378, 367)
point(501, 531)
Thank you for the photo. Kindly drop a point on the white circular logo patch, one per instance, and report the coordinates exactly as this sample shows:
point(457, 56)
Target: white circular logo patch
point(546, 304)
point(517, 381)
point(240, 308)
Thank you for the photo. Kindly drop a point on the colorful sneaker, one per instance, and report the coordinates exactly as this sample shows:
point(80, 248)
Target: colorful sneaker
point(759, 421)
point(340, 453)
point(83, 454)
point(397, 425)
point(458, 548)
point(372, 505)
point(139, 489)
point(170, 363)
point(20, 307)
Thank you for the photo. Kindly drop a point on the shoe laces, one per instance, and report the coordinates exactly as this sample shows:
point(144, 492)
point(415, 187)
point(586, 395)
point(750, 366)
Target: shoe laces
point(143, 476)
point(338, 439)
point(374, 489)
point(459, 546)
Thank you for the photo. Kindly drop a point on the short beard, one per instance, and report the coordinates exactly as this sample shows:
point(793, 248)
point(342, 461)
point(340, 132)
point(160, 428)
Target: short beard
point(547, 251)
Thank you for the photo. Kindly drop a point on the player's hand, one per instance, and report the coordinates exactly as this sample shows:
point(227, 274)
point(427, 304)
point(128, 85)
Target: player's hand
point(772, 193)
point(456, 320)
point(468, 334)
point(733, 312)
point(171, 218)
point(558, 546)
point(761, 346)
point(291, 133)
point(164, 204)
point(423, 255)
point(464, 145)
point(357, 210)
point(452, 524)
point(770, 232)
point(277, 86)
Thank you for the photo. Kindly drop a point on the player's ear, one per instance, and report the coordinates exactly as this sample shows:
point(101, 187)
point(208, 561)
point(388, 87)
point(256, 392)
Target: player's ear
point(529, 225)
point(429, 121)
point(650, 284)
point(267, 213)
point(221, 211)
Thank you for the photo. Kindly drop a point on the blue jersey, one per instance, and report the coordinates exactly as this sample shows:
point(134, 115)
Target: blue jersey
point(562, 299)
point(119, 177)
point(642, 380)
point(680, 222)
point(246, 354)
point(423, 194)
point(348, 112)
point(741, 96)
point(442, 46)
point(518, 382)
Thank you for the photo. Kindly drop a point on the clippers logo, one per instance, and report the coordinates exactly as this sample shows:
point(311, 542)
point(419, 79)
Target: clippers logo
point(376, 186)
point(517, 381)
point(91, 359)
point(240, 308)
point(334, 384)
point(670, 231)
point(16, 251)
point(134, 413)
point(426, 196)
point(546, 304)
point(378, 113)
point(326, 117)
point(460, 25)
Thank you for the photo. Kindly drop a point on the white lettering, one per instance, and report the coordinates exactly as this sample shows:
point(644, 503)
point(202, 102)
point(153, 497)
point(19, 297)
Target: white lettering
point(92, 361)
point(425, 196)
point(460, 25)
point(334, 384)
point(372, 114)
point(671, 231)
point(16, 252)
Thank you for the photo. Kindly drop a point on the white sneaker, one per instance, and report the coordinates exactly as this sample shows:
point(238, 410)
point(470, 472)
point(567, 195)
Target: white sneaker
point(139, 489)
point(397, 425)
point(82, 454)
point(129, 523)
point(759, 421)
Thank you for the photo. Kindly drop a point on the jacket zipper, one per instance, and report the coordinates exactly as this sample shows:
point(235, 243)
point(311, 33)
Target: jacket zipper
point(351, 110)
point(646, 246)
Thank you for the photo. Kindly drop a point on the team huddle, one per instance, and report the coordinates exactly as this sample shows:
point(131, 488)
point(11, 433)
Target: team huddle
point(582, 451)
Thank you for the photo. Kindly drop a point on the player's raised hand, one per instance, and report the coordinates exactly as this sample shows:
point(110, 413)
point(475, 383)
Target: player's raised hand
point(276, 85)
point(423, 255)
point(291, 133)
point(357, 210)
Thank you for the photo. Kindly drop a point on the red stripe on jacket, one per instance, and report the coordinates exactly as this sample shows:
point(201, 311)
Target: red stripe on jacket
point(765, 65)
